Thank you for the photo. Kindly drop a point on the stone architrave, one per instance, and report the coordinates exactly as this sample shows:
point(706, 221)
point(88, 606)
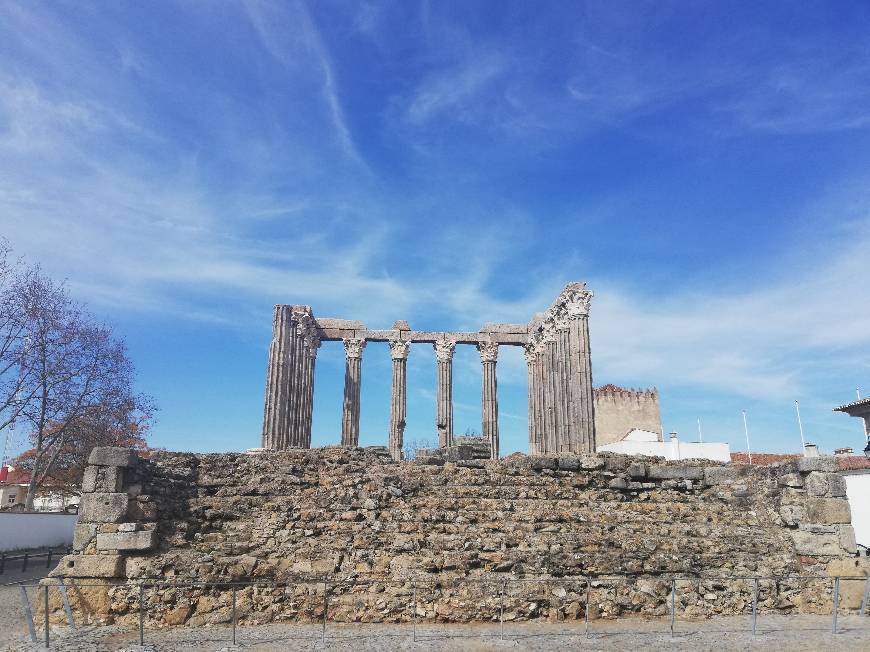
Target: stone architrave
point(489, 395)
point(399, 350)
point(444, 395)
point(353, 348)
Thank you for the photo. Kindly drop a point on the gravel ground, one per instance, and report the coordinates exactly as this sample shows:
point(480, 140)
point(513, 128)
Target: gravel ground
point(728, 633)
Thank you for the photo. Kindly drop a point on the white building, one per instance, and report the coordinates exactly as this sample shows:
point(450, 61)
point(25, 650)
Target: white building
point(644, 442)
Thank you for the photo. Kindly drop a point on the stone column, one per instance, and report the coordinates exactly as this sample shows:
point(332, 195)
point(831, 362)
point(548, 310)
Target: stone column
point(285, 391)
point(399, 398)
point(312, 343)
point(277, 385)
point(444, 401)
point(534, 400)
point(580, 365)
point(489, 407)
point(353, 348)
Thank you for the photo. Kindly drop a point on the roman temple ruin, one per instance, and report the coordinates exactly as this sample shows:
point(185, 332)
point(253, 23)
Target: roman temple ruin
point(556, 345)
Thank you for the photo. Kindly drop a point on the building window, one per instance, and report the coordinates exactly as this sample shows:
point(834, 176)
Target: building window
point(11, 499)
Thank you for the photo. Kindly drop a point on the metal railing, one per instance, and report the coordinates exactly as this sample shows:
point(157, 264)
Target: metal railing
point(495, 588)
point(23, 560)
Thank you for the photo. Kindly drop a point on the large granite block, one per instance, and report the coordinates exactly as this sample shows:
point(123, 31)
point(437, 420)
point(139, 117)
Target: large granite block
point(142, 540)
point(112, 456)
point(828, 510)
point(106, 479)
point(90, 566)
point(104, 508)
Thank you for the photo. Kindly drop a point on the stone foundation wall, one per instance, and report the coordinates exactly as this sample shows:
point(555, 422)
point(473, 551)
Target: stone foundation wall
point(375, 532)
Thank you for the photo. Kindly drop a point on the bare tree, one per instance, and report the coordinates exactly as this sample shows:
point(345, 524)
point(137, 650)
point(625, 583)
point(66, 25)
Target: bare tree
point(14, 376)
point(78, 378)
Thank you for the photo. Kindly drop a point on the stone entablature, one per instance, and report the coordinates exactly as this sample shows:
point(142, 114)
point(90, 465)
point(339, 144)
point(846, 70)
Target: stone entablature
point(561, 408)
point(372, 528)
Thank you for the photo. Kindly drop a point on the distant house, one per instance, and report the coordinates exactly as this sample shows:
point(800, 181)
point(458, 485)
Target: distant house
point(13, 488)
point(856, 471)
point(14, 484)
point(646, 442)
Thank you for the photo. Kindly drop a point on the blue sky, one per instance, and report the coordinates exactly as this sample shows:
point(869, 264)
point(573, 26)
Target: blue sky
point(704, 167)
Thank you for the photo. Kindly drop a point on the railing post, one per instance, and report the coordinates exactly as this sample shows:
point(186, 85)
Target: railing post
point(754, 603)
point(28, 614)
point(141, 615)
point(24, 564)
point(2, 562)
point(45, 610)
point(673, 603)
point(501, 610)
point(414, 607)
point(48, 559)
point(866, 596)
point(325, 609)
point(588, 592)
point(836, 605)
point(234, 614)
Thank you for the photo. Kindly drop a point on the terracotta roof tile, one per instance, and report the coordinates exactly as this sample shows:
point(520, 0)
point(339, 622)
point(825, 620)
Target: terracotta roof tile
point(853, 463)
point(763, 459)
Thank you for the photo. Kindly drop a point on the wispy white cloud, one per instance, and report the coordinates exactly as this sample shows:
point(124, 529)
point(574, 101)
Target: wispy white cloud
point(289, 32)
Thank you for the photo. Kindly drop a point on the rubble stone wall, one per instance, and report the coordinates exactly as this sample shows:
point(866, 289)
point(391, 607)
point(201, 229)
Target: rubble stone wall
point(457, 539)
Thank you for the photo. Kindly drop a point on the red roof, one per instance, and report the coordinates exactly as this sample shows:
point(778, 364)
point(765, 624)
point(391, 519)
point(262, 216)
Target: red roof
point(763, 458)
point(852, 462)
point(17, 476)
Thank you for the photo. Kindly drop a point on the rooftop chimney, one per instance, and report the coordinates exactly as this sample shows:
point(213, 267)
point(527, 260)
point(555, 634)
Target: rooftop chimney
point(811, 450)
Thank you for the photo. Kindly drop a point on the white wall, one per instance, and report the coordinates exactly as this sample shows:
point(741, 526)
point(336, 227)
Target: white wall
point(858, 493)
point(20, 531)
point(671, 450)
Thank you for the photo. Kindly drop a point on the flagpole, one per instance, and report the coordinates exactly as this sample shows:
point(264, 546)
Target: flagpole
point(797, 408)
point(700, 432)
point(746, 430)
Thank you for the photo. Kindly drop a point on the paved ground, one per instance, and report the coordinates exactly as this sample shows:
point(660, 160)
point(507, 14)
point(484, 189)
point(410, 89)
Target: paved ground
point(791, 633)
point(809, 633)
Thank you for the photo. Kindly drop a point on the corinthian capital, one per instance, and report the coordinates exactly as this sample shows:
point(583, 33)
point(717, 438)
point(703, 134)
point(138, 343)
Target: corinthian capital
point(399, 349)
point(488, 351)
point(353, 347)
point(577, 303)
point(444, 350)
point(530, 353)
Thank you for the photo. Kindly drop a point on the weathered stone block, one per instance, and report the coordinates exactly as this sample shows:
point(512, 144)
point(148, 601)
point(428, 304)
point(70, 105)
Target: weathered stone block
point(107, 479)
point(90, 566)
point(661, 472)
point(142, 508)
point(539, 463)
point(807, 464)
point(112, 456)
point(837, 485)
point(618, 483)
point(824, 545)
point(847, 539)
point(817, 483)
point(142, 540)
point(716, 475)
point(851, 591)
point(104, 508)
point(83, 534)
point(792, 514)
point(590, 462)
point(790, 480)
point(637, 470)
point(828, 510)
point(569, 463)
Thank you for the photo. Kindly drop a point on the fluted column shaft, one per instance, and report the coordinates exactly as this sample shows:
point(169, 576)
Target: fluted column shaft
point(444, 394)
point(489, 395)
point(277, 384)
point(399, 397)
point(535, 425)
point(353, 348)
point(581, 383)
